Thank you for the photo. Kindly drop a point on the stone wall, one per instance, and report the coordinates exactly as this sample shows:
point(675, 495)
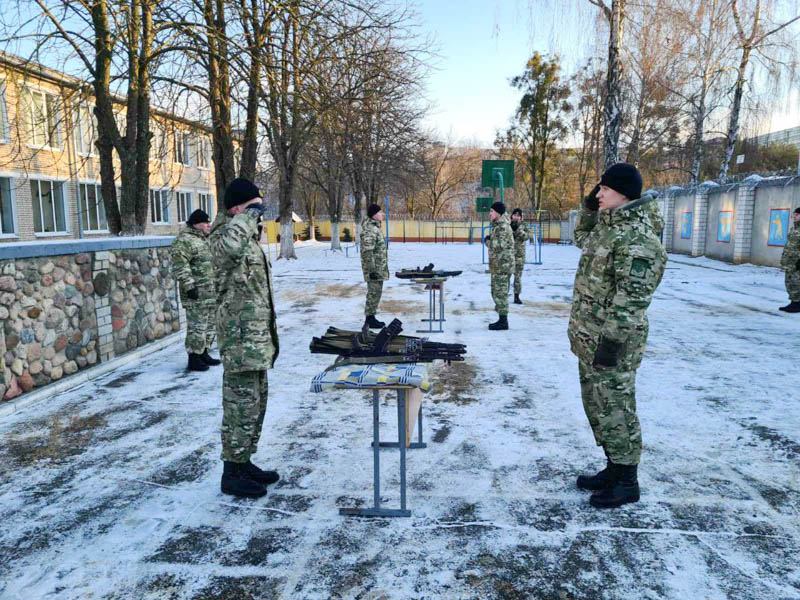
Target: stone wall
point(64, 312)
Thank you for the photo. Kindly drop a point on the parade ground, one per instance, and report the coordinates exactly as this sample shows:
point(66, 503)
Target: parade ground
point(112, 490)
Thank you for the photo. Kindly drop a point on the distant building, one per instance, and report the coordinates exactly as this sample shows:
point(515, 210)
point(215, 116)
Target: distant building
point(50, 171)
point(784, 136)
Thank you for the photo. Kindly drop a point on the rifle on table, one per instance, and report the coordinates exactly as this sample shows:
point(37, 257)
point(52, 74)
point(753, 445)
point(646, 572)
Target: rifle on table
point(386, 346)
point(424, 273)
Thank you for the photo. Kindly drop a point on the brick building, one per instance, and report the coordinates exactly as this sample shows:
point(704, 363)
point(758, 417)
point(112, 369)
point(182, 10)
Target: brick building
point(50, 171)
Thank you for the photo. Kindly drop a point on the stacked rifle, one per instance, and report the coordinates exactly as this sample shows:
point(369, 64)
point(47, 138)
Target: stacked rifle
point(424, 273)
point(386, 346)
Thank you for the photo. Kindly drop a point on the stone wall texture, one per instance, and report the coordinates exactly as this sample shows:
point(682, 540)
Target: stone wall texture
point(61, 314)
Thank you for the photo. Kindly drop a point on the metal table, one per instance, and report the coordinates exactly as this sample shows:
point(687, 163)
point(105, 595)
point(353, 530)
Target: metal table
point(376, 510)
point(432, 284)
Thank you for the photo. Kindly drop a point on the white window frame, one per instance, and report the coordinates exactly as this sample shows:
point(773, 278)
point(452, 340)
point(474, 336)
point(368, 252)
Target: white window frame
point(158, 143)
point(207, 199)
point(203, 153)
point(5, 129)
point(28, 93)
point(78, 130)
point(183, 148)
point(184, 210)
point(162, 194)
point(99, 207)
point(64, 207)
point(12, 199)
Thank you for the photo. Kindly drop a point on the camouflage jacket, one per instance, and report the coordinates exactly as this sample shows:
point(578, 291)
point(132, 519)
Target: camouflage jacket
point(791, 251)
point(374, 258)
point(522, 235)
point(501, 246)
point(246, 328)
point(654, 214)
point(191, 264)
point(620, 268)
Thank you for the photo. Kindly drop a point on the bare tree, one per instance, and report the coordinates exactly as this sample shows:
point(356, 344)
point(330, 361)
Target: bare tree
point(755, 25)
point(446, 168)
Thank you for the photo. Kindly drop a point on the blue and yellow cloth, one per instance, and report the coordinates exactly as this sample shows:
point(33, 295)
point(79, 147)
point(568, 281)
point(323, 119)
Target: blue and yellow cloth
point(381, 374)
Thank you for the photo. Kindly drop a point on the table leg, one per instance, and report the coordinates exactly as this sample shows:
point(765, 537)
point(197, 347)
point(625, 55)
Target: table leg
point(376, 460)
point(401, 415)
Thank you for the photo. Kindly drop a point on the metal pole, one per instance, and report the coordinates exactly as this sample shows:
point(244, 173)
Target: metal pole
point(376, 465)
point(386, 200)
point(401, 410)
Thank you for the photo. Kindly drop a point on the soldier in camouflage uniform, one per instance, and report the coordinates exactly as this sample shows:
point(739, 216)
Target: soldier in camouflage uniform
point(374, 263)
point(522, 236)
point(621, 265)
point(247, 334)
point(790, 262)
point(500, 243)
point(194, 271)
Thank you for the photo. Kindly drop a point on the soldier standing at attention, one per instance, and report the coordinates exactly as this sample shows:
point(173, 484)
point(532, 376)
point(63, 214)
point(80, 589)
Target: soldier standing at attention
point(790, 262)
point(247, 333)
point(501, 262)
point(374, 263)
point(521, 237)
point(192, 268)
point(621, 265)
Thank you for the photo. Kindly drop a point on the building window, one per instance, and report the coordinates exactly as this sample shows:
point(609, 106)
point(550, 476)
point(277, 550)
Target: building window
point(85, 129)
point(159, 206)
point(182, 148)
point(43, 114)
point(206, 202)
point(49, 213)
point(93, 213)
point(184, 206)
point(158, 145)
point(4, 132)
point(203, 153)
point(6, 208)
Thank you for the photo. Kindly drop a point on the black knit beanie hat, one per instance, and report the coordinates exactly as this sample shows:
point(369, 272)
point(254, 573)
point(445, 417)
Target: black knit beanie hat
point(239, 191)
point(198, 216)
point(516, 211)
point(372, 210)
point(625, 179)
point(797, 210)
point(499, 208)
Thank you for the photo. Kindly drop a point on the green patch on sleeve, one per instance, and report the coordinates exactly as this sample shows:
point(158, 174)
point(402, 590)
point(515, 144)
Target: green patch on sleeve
point(639, 267)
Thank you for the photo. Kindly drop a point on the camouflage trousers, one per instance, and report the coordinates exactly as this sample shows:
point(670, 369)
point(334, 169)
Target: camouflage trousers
point(793, 284)
point(374, 291)
point(244, 403)
point(518, 278)
point(200, 317)
point(609, 399)
point(500, 283)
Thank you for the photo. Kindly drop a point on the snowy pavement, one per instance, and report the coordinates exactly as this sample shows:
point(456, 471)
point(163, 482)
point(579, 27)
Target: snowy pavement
point(111, 491)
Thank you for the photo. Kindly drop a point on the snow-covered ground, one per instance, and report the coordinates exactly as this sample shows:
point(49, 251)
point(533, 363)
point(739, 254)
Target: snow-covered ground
point(111, 491)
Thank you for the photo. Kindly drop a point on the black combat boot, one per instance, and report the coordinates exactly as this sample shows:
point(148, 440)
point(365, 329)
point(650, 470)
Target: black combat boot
point(211, 362)
point(500, 324)
point(625, 489)
point(792, 307)
point(373, 323)
point(196, 363)
point(599, 481)
point(259, 475)
point(236, 481)
point(516, 299)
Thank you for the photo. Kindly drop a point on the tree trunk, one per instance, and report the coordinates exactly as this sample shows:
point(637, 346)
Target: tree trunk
point(697, 146)
point(733, 124)
point(335, 243)
point(285, 189)
point(612, 110)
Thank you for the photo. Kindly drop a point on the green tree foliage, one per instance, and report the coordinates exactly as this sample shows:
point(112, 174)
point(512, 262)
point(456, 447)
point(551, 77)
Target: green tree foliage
point(540, 121)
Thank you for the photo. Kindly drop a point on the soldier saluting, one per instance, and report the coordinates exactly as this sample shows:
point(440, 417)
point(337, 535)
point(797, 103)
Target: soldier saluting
point(790, 262)
point(621, 265)
point(374, 263)
point(248, 338)
point(501, 262)
point(194, 271)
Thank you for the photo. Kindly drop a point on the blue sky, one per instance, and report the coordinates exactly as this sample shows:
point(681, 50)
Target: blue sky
point(483, 43)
